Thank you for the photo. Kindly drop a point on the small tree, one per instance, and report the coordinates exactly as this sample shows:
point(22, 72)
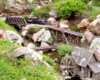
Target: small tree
point(71, 8)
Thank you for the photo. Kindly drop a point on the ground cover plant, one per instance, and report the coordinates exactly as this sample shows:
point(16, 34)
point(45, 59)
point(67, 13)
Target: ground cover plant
point(63, 49)
point(4, 26)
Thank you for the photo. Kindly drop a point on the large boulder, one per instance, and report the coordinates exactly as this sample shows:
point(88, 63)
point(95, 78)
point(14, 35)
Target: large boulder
point(29, 53)
point(12, 8)
point(31, 45)
point(64, 24)
point(46, 37)
point(37, 35)
point(97, 54)
point(43, 44)
point(95, 44)
point(14, 37)
point(52, 21)
point(2, 34)
point(94, 26)
point(83, 25)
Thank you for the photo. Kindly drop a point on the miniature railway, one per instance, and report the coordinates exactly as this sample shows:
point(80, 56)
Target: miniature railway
point(59, 35)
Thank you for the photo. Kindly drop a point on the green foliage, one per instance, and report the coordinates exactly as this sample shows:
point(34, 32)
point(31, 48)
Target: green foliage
point(33, 29)
point(33, 6)
point(94, 12)
point(63, 49)
point(4, 26)
point(96, 2)
point(7, 45)
point(49, 60)
point(74, 28)
point(85, 1)
point(25, 16)
point(19, 69)
point(42, 12)
point(4, 2)
point(71, 8)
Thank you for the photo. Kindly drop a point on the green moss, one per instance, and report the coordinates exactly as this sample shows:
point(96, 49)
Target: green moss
point(63, 49)
point(74, 28)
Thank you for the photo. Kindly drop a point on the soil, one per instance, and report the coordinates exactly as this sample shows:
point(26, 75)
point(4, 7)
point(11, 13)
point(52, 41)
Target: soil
point(75, 21)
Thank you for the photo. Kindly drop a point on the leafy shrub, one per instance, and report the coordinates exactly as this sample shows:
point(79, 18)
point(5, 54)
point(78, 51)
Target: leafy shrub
point(96, 2)
point(63, 49)
point(74, 28)
point(71, 8)
point(42, 12)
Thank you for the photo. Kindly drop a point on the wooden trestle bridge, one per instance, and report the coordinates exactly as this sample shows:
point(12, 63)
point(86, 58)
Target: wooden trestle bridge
point(60, 35)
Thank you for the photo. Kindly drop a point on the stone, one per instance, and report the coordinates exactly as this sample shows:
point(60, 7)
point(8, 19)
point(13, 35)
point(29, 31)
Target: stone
point(3, 15)
point(2, 34)
point(12, 8)
point(43, 44)
point(31, 45)
point(29, 53)
point(3, 18)
point(53, 13)
point(92, 26)
point(1, 7)
point(24, 33)
point(37, 7)
point(52, 21)
point(95, 44)
point(13, 37)
point(88, 36)
point(97, 54)
point(98, 17)
point(41, 52)
point(24, 79)
point(64, 24)
point(83, 25)
point(46, 37)
point(97, 28)
point(37, 35)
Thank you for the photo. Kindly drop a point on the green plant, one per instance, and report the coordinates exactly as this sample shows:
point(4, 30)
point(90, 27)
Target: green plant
point(4, 2)
point(33, 29)
point(4, 26)
point(71, 8)
point(42, 12)
point(85, 1)
point(94, 12)
point(63, 49)
point(4, 45)
point(74, 28)
point(25, 16)
point(96, 2)
point(33, 6)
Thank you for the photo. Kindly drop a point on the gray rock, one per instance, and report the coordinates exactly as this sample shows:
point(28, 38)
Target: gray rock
point(31, 45)
point(37, 35)
point(47, 64)
point(53, 13)
point(29, 53)
point(24, 33)
point(52, 21)
point(14, 37)
point(95, 44)
point(46, 37)
point(44, 44)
